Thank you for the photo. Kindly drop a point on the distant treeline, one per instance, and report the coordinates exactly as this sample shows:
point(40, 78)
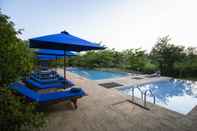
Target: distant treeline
point(169, 59)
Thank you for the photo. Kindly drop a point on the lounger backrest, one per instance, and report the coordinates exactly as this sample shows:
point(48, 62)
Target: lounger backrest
point(25, 91)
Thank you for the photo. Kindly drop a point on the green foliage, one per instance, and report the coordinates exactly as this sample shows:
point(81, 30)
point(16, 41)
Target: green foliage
point(170, 59)
point(188, 66)
point(16, 60)
point(135, 59)
point(97, 59)
point(150, 67)
point(174, 60)
point(131, 59)
point(16, 114)
point(166, 55)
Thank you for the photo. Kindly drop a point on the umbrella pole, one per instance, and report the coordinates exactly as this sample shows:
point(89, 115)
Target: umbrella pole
point(56, 62)
point(64, 68)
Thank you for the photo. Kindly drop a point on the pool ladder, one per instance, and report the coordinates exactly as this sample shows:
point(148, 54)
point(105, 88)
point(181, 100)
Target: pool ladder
point(143, 96)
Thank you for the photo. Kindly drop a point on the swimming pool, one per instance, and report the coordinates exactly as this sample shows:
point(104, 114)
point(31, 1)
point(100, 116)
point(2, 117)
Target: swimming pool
point(176, 95)
point(97, 74)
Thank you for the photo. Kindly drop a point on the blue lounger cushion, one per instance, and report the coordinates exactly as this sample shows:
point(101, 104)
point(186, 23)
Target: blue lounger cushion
point(44, 86)
point(42, 98)
point(61, 95)
point(69, 82)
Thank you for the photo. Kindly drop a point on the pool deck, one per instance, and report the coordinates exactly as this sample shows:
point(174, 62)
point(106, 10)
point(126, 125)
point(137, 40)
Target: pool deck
point(108, 110)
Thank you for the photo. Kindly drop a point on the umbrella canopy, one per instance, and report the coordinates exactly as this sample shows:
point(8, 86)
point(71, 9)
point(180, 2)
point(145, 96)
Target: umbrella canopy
point(48, 57)
point(55, 52)
point(63, 41)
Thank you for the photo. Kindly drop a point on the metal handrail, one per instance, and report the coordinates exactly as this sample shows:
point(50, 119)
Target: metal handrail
point(145, 94)
point(133, 90)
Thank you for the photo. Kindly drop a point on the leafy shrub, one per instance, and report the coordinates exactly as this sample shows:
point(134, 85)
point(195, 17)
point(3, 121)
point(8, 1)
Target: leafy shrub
point(16, 59)
point(149, 68)
point(16, 114)
point(186, 69)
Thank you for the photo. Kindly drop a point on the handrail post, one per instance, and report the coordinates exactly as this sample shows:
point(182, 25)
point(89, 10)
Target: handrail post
point(145, 99)
point(141, 95)
point(154, 99)
point(145, 95)
point(133, 94)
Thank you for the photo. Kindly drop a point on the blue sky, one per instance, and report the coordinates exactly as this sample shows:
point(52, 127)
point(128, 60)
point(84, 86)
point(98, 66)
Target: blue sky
point(119, 24)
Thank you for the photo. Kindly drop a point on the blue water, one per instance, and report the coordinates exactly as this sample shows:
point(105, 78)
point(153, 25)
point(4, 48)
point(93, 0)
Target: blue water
point(176, 95)
point(97, 74)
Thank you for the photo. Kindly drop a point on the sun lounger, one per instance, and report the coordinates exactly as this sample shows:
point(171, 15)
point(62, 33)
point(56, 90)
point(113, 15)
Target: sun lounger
point(73, 94)
point(46, 80)
point(46, 75)
point(55, 80)
point(44, 86)
point(156, 74)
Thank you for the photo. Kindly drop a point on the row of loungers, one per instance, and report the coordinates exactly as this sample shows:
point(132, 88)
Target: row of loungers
point(72, 94)
point(45, 74)
point(55, 80)
point(51, 80)
point(33, 83)
point(46, 80)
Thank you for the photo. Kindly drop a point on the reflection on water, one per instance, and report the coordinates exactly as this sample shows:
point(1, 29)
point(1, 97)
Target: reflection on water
point(177, 95)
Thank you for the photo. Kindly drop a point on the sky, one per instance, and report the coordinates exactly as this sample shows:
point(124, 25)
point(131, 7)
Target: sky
point(119, 24)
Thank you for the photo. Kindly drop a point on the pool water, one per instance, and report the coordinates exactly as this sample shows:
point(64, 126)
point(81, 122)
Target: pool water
point(176, 95)
point(97, 74)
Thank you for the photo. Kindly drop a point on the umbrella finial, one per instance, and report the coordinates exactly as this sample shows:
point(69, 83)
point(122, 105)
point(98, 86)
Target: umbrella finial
point(65, 32)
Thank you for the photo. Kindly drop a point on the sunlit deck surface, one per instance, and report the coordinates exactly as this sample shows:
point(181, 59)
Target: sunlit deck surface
point(107, 110)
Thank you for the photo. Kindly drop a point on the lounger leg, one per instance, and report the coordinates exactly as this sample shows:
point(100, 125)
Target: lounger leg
point(74, 101)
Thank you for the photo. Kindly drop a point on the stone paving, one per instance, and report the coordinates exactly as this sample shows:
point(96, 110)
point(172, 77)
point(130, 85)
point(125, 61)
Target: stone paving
point(109, 110)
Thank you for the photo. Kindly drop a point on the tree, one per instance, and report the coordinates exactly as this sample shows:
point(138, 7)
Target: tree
point(188, 66)
point(131, 59)
point(16, 114)
point(170, 59)
point(166, 55)
point(16, 59)
point(135, 59)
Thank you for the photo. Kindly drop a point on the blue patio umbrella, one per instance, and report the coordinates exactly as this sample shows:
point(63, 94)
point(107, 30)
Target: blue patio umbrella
point(63, 41)
point(45, 58)
point(48, 57)
point(48, 54)
point(55, 52)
